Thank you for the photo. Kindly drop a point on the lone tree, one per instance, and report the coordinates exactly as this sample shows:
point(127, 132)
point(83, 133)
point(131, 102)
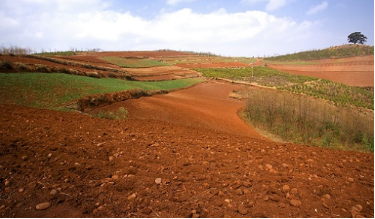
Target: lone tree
point(357, 37)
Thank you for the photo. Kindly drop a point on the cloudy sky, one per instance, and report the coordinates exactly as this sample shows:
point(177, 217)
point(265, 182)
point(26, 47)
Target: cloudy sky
point(230, 28)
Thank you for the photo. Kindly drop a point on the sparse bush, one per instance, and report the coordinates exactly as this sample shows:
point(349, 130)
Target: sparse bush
point(6, 65)
point(307, 120)
point(120, 114)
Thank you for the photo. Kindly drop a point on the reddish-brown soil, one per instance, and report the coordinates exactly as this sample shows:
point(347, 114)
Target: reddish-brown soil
point(213, 65)
point(354, 71)
point(183, 154)
point(161, 73)
point(160, 53)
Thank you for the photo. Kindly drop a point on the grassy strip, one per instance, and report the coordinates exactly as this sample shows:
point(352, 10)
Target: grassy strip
point(54, 89)
point(338, 93)
point(133, 62)
point(259, 74)
point(334, 52)
point(311, 121)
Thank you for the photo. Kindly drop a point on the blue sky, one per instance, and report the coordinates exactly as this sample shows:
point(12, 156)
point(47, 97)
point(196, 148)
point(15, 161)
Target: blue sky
point(230, 28)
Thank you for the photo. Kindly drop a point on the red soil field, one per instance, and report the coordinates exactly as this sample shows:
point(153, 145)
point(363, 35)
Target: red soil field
point(182, 154)
point(213, 65)
point(354, 71)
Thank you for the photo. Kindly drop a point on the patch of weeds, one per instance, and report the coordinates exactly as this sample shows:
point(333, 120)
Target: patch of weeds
point(120, 114)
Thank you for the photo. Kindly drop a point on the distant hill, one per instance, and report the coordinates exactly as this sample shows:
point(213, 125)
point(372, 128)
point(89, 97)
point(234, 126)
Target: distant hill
point(343, 51)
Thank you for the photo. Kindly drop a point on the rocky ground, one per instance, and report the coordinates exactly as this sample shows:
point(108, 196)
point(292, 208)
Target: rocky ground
point(60, 164)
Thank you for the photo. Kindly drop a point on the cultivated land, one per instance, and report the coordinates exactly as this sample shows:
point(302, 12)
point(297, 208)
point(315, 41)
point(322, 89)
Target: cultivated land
point(178, 153)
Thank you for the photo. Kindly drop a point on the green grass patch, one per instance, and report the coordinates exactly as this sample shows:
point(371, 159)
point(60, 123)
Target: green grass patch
point(133, 62)
point(43, 90)
point(259, 74)
point(333, 52)
point(338, 93)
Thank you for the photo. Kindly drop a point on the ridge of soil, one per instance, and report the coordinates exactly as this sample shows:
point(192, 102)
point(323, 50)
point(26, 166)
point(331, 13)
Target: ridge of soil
point(182, 154)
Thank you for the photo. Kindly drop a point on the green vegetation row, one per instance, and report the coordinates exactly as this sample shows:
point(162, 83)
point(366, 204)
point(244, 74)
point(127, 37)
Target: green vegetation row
point(333, 52)
point(306, 120)
point(52, 90)
point(133, 62)
point(338, 93)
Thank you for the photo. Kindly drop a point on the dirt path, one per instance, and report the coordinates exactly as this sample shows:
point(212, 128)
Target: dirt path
point(171, 159)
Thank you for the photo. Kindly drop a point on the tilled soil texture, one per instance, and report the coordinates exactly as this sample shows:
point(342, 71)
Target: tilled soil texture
point(354, 71)
point(73, 165)
point(161, 73)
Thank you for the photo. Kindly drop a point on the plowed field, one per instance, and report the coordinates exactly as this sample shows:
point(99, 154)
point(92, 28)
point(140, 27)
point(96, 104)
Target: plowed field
point(182, 154)
point(354, 71)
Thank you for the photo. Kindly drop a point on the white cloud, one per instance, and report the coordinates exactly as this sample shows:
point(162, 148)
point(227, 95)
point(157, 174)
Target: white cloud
point(271, 4)
point(315, 9)
point(62, 27)
point(175, 2)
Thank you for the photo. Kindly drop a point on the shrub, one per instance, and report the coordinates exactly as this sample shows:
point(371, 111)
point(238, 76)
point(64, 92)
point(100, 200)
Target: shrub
point(307, 120)
point(120, 114)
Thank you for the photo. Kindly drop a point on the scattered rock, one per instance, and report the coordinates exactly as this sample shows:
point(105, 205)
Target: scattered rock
point(239, 192)
point(43, 206)
point(214, 191)
point(242, 209)
point(294, 191)
point(268, 166)
point(195, 216)
point(147, 211)
point(295, 203)
point(53, 192)
point(350, 180)
point(25, 158)
point(158, 180)
point(6, 183)
point(21, 190)
point(115, 177)
point(132, 196)
point(111, 158)
point(285, 188)
point(221, 194)
point(355, 211)
point(326, 196)
point(275, 198)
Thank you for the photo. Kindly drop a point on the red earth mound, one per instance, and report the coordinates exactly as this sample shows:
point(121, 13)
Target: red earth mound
point(159, 53)
point(213, 65)
point(183, 154)
point(353, 71)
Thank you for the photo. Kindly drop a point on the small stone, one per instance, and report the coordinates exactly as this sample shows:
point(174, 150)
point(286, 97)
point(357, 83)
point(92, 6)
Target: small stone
point(285, 188)
point(221, 194)
point(100, 208)
point(195, 216)
point(115, 177)
point(43, 206)
point(158, 180)
point(294, 191)
point(214, 191)
point(147, 211)
point(111, 158)
point(7, 182)
point(309, 160)
point(326, 196)
point(350, 180)
point(242, 209)
point(53, 192)
point(21, 189)
point(132, 196)
point(25, 158)
point(239, 192)
point(295, 203)
point(356, 211)
point(268, 166)
point(275, 198)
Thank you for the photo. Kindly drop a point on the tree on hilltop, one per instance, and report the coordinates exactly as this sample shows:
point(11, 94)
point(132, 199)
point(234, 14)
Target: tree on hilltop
point(357, 37)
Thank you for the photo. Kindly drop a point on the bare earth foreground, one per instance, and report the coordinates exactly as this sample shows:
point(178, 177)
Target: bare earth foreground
point(182, 154)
